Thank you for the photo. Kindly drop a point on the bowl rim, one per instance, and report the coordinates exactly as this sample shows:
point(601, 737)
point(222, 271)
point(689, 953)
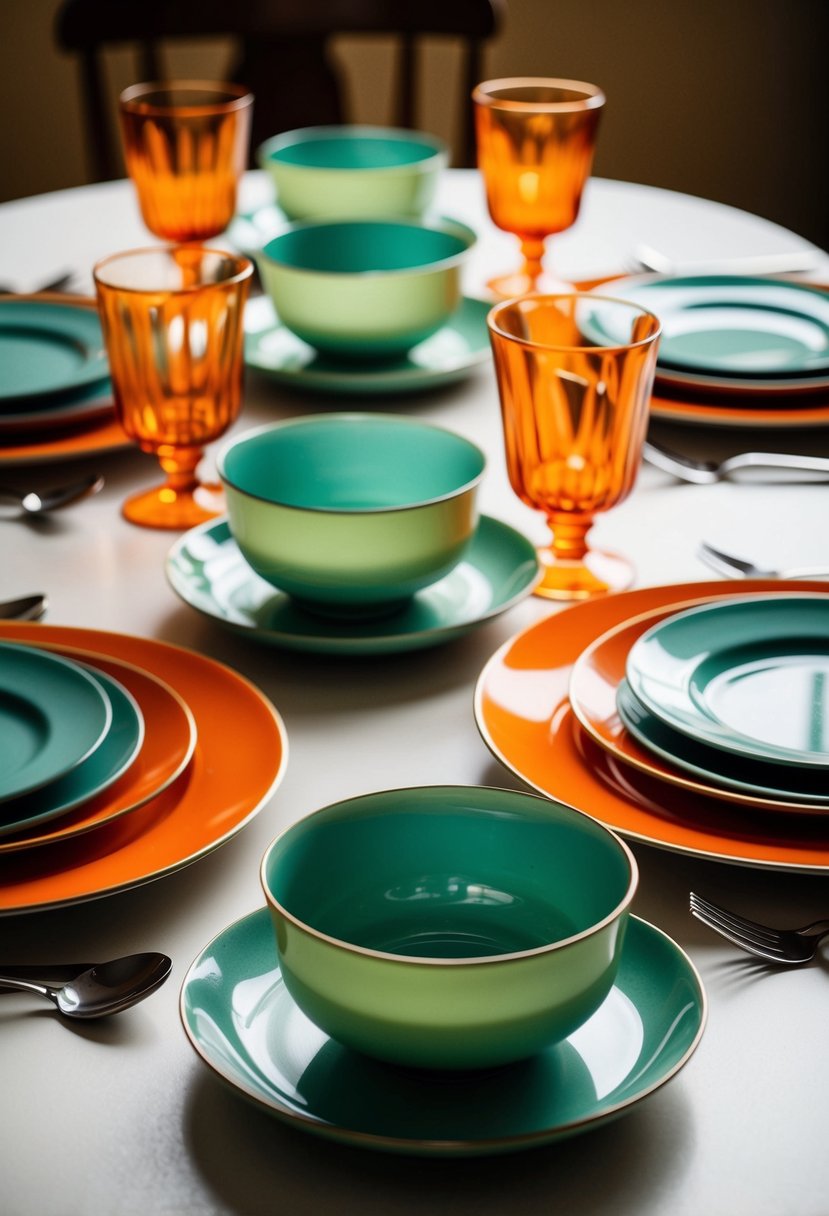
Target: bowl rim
point(437, 157)
point(438, 223)
point(350, 418)
point(490, 960)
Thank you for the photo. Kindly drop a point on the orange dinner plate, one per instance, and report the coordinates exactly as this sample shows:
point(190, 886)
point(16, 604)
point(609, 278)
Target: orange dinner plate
point(597, 674)
point(238, 761)
point(523, 712)
point(721, 412)
point(169, 740)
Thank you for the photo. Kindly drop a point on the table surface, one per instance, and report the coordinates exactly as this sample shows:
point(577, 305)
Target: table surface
point(120, 1117)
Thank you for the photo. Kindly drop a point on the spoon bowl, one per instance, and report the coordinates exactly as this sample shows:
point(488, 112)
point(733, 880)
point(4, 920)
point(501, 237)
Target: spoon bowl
point(99, 990)
point(17, 505)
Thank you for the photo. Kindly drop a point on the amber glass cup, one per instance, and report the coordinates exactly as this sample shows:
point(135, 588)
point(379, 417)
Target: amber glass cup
point(172, 323)
point(574, 376)
point(186, 145)
point(536, 138)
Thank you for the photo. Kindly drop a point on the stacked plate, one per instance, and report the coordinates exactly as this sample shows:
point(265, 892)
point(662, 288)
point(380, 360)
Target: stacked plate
point(683, 716)
point(737, 350)
point(115, 762)
point(56, 397)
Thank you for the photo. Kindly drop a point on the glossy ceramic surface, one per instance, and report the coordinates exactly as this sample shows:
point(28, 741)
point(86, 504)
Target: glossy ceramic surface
point(523, 711)
point(739, 410)
point(720, 673)
point(730, 325)
point(366, 288)
point(458, 347)
point(76, 409)
point(497, 571)
point(53, 715)
point(244, 1025)
point(351, 512)
point(47, 349)
point(238, 762)
point(649, 746)
point(448, 926)
point(169, 739)
point(353, 171)
point(92, 776)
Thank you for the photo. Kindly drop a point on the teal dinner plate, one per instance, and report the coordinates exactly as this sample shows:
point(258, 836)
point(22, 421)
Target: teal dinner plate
point(459, 346)
point(47, 349)
point(243, 1024)
point(53, 714)
point(779, 783)
point(206, 569)
point(75, 409)
point(733, 325)
point(92, 776)
point(749, 675)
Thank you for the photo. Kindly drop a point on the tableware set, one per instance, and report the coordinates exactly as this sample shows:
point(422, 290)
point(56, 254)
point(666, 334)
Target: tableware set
point(153, 757)
point(737, 350)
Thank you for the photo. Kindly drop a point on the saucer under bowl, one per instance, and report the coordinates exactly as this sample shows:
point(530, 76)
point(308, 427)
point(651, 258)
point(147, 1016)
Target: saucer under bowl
point(448, 927)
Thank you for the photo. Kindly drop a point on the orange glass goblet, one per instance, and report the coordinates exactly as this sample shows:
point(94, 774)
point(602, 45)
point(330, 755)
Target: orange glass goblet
point(574, 374)
point(172, 323)
point(536, 138)
point(186, 145)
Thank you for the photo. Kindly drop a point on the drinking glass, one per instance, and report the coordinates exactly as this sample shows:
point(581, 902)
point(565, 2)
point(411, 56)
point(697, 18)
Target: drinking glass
point(172, 323)
point(186, 146)
point(535, 138)
point(574, 375)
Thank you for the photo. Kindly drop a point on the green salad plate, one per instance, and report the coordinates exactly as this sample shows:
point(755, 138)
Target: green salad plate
point(48, 349)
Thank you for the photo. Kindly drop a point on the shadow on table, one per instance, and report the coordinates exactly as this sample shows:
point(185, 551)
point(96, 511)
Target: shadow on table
point(255, 1164)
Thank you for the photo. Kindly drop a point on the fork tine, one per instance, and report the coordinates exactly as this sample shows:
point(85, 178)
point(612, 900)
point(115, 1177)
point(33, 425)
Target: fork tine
point(750, 930)
point(754, 945)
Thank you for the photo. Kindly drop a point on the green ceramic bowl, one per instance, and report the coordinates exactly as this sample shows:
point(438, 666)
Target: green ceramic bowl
point(366, 289)
point(353, 172)
point(449, 927)
point(351, 513)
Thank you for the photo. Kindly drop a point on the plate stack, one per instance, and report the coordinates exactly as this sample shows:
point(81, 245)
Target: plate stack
point(737, 351)
point(119, 761)
point(684, 716)
point(56, 396)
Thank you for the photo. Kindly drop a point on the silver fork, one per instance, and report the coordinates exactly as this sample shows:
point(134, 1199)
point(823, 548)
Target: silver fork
point(786, 947)
point(739, 567)
point(707, 472)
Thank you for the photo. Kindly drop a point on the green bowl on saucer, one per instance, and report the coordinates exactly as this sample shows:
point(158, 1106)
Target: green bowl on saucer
point(353, 172)
point(448, 927)
point(351, 513)
point(366, 289)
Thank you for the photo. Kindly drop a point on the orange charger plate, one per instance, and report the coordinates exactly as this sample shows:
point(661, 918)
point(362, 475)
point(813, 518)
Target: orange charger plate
point(523, 712)
point(238, 761)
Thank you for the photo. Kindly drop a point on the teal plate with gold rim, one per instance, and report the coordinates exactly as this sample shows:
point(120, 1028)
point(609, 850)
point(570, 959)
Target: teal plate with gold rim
point(109, 761)
point(452, 353)
point(748, 675)
point(246, 1028)
point(499, 569)
point(53, 714)
point(47, 349)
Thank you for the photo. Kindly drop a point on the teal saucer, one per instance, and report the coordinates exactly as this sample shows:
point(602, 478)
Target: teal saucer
point(450, 354)
point(243, 1024)
point(206, 569)
point(109, 761)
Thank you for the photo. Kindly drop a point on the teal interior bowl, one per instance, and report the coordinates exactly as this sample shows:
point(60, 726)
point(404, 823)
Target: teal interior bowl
point(448, 927)
point(366, 289)
point(351, 513)
point(353, 172)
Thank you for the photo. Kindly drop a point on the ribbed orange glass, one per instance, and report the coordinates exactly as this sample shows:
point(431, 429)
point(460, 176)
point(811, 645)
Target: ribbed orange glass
point(186, 145)
point(536, 138)
point(172, 322)
point(574, 374)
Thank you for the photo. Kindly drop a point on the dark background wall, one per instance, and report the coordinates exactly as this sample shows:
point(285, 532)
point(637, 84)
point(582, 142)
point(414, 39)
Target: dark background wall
point(721, 98)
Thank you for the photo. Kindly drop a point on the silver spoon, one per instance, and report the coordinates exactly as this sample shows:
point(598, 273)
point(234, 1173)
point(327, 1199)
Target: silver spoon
point(26, 608)
point(97, 991)
point(738, 567)
point(706, 472)
point(791, 262)
point(15, 505)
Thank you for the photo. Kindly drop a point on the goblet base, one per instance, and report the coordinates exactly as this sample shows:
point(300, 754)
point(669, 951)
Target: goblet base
point(595, 573)
point(509, 286)
point(175, 508)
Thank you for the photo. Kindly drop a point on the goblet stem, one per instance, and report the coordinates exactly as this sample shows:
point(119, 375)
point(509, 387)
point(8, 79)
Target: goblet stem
point(574, 571)
point(532, 251)
point(182, 501)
